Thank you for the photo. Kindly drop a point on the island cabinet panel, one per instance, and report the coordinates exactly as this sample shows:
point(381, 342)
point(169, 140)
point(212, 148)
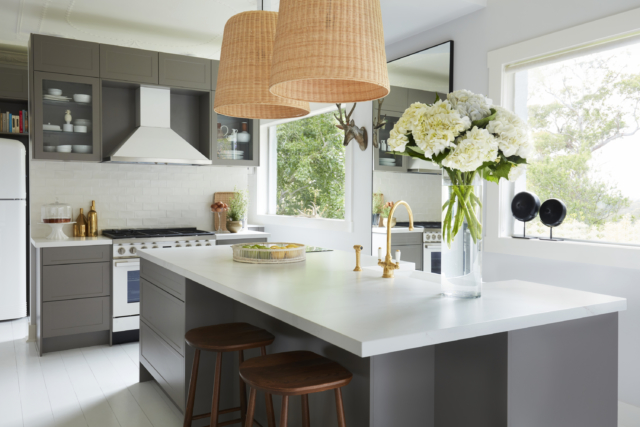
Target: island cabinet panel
point(76, 254)
point(168, 363)
point(14, 83)
point(65, 56)
point(127, 64)
point(239, 241)
point(63, 282)
point(164, 313)
point(164, 279)
point(75, 316)
point(184, 71)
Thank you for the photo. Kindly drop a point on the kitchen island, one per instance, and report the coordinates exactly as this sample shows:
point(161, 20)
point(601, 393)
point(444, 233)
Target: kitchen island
point(524, 354)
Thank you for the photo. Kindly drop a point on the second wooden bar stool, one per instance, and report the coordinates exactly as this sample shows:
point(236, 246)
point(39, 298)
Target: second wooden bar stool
point(295, 373)
point(223, 339)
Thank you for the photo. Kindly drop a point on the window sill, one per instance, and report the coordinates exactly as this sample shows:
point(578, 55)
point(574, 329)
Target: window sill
point(314, 223)
point(605, 254)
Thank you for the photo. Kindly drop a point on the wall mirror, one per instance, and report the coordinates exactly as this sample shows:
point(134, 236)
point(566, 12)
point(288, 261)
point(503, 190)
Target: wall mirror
point(414, 78)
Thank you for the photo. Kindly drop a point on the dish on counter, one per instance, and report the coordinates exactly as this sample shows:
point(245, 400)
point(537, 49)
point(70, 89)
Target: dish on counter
point(269, 253)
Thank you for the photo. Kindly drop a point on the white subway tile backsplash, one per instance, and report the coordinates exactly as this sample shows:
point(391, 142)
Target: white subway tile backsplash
point(422, 192)
point(131, 195)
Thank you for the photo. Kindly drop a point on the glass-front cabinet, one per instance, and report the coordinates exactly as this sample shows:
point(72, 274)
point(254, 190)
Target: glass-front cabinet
point(66, 117)
point(383, 159)
point(236, 141)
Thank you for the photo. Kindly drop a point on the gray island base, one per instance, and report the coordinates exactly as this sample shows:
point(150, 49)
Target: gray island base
point(524, 354)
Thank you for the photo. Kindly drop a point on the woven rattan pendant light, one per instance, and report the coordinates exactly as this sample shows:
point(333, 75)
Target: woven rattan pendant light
point(329, 51)
point(245, 63)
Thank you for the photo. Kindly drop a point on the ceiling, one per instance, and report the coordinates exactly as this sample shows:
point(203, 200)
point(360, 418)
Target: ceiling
point(191, 27)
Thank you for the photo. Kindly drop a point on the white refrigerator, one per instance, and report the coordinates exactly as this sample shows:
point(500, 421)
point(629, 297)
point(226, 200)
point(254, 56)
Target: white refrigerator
point(13, 230)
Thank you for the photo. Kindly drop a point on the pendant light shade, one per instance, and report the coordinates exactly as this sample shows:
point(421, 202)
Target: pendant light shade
point(329, 51)
point(245, 63)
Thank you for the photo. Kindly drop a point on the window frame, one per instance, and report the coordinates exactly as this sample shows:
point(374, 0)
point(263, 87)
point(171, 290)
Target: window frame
point(267, 182)
point(499, 222)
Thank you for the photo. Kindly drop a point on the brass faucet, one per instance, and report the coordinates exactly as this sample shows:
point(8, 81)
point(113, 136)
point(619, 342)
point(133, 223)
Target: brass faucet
point(388, 264)
point(358, 249)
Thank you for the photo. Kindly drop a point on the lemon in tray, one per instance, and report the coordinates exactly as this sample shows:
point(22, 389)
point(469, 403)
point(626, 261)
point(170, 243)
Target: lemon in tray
point(269, 253)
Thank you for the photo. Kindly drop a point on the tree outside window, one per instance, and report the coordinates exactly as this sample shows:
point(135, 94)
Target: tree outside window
point(311, 168)
point(585, 119)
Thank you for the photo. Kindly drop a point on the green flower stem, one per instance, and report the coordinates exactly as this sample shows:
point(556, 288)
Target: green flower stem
point(471, 219)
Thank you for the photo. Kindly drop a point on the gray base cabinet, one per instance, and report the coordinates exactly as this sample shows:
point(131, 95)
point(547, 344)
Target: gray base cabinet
point(72, 288)
point(409, 244)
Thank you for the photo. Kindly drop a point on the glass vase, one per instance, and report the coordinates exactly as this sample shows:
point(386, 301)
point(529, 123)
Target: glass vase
point(461, 235)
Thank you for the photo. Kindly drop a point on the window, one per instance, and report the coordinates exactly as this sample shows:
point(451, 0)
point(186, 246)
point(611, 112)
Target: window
point(307, 168)
point(584, 114)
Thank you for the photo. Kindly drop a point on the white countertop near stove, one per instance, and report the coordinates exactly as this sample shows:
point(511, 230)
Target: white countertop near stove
point(245, 234)
point(43, 242)
point(367, 315)
point(397, 230)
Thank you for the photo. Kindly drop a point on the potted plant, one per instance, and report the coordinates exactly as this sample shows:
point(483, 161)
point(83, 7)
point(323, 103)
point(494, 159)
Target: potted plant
point(386, 210)
point(237, 210)
point(376, 209)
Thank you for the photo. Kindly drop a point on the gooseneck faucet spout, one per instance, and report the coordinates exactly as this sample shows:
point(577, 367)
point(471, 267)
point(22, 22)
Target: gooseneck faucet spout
point(388, 265)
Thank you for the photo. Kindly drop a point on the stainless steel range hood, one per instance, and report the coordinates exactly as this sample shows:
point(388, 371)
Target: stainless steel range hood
point(423, 166)
point(154, 141)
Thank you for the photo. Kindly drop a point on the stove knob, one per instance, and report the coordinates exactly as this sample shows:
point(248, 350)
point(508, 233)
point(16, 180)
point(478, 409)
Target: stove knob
point(439, 237)
point(154, 247)
point(122, 251)
point(178, 246)
point(133, 250)
point(189, 245)
point(144, 247)
point(208, 244)
point(198, 244)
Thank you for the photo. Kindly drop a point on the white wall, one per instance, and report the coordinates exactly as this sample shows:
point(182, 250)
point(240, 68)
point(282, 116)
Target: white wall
point(421, 191)
point(502, 23)
point(130, 195)
point(361, 191)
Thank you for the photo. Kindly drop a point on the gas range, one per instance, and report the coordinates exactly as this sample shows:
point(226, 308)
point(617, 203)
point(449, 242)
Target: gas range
point(127, 242)
point(432, 230)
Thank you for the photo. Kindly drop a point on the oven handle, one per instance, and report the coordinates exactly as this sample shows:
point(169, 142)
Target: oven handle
point(127, 263)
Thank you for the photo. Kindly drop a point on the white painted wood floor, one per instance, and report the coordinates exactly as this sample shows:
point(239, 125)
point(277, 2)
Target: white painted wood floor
point(95, 386)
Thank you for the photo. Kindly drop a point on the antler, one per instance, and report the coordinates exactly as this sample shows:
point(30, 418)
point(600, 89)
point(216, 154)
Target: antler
point(351, 112)
point(339, 119)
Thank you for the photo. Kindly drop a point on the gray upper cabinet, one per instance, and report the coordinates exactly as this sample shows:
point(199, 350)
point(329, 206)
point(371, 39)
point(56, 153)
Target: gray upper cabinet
point(215, 65)
point(235, 141)
point(66, 56)
point(130, 65)
point(14, 83)
point(423, 96)
point(185, 71)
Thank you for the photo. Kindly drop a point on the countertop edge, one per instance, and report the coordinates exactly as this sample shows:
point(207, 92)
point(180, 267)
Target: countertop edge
point(43, 242)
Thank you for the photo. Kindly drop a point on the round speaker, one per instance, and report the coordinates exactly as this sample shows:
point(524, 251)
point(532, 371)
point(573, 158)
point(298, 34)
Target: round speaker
point(552, 212)
point(525, 206)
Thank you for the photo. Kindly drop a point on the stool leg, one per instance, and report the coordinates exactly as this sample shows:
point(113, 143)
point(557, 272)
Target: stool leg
point(340, 409)
point(271, 419)
point(251, 409)
point(306, 420)
point(215, 403)
point(243, 391)
point(188, 412)
point(284, 411)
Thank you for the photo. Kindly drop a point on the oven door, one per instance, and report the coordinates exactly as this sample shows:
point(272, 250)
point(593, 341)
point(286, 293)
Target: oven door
point(432, 256)
point(126, 287)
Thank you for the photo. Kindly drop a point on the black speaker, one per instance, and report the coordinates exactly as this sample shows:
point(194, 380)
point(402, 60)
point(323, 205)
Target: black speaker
point(525, 207)
point(552, 214)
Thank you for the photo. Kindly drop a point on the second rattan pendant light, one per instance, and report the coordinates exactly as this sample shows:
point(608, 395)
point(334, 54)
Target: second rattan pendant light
point(329, 51)
point(245, 63)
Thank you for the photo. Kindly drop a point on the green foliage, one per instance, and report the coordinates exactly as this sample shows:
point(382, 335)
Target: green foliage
point(311, 166)
point(378, 203)
point(238, 205)
point(593, 105)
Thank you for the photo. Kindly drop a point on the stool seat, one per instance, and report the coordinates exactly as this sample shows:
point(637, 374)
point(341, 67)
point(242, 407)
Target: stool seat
point(228, 337)
point(294, 373)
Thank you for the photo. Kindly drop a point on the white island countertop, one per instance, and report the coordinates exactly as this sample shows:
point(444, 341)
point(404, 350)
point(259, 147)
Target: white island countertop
point(244, 234)
point(368, 315)
point(43, 242)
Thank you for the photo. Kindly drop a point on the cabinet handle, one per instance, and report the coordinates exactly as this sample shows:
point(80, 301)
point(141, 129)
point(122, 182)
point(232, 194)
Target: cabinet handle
point(127, 263)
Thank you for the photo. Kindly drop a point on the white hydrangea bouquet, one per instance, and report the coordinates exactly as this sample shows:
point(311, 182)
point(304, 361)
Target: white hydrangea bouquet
point(469, 138)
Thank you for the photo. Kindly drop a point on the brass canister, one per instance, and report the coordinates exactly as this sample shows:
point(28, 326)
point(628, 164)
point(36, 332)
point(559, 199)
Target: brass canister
point(92, 221)
point(80, 227)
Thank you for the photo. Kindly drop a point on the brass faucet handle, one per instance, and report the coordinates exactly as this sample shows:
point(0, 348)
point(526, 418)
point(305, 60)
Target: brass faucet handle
point(358, 249)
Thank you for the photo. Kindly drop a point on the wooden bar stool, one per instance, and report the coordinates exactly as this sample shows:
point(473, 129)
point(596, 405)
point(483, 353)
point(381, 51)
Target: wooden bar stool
point(296, 373)
point(222, 339)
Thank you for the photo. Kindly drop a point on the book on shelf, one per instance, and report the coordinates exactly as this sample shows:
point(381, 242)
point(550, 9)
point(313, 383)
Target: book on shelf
point(14, 123)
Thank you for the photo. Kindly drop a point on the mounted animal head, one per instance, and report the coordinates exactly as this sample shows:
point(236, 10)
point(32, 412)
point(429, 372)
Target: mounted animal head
point(351, 131)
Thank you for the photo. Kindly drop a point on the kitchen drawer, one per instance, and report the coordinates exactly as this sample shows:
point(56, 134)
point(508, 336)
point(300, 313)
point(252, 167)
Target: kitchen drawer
point(238, 241)
point(66, 56)
point(166, 362)
point(131, 65)
point(76, 254)
point(185, 71)
point(406, 238)
point(164, 313)
point(73, 281)
point(75, 316)
point(164, 279)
